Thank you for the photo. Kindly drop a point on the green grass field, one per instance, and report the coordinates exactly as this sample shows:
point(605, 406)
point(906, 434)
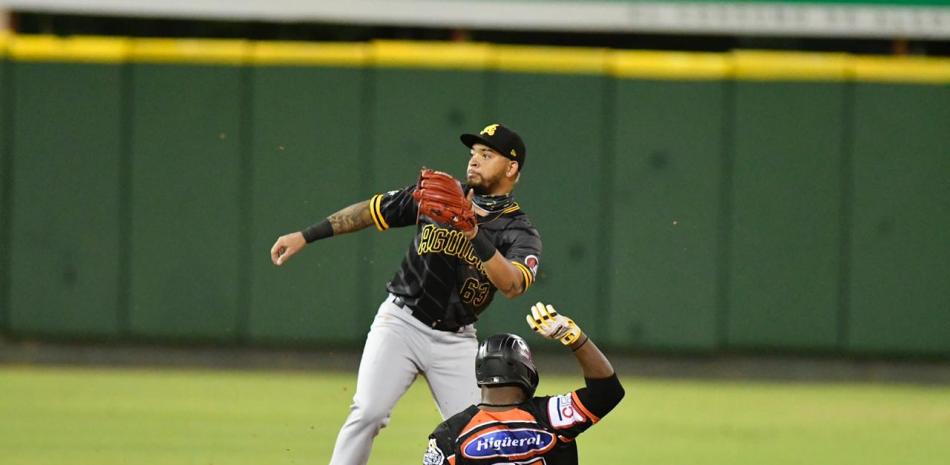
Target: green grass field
point(80, 416)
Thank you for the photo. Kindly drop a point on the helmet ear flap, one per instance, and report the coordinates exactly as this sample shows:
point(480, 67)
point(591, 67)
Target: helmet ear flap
point(535, 379)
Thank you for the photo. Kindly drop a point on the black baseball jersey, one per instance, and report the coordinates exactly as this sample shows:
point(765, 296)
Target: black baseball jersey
point(540, 431)
point(440, 275)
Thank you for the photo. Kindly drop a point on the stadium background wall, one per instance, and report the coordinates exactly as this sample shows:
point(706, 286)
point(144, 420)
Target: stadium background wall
point(688, 202)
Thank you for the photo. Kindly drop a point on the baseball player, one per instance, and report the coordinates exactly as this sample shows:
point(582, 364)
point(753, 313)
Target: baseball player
point(461, 254)
point(510, 426)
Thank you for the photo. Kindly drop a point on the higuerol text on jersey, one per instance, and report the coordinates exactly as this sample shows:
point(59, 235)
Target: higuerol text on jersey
point(508, 443)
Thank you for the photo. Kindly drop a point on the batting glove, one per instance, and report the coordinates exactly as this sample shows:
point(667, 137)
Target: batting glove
point(545, 321)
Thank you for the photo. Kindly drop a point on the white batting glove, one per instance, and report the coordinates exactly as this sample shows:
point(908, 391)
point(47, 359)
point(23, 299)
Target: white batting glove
point(545, 321)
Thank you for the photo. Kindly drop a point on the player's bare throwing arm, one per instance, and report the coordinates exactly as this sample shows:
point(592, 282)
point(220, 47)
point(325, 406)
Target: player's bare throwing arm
point(456, 262)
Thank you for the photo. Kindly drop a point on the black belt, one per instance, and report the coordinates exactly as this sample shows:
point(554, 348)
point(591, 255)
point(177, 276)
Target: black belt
point(422, 317)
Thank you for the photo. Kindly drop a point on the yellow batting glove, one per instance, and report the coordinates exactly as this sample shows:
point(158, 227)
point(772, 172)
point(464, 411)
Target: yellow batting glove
point(545, 321)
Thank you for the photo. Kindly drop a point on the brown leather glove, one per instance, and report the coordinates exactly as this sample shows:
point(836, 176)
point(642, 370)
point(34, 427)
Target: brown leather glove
point(440, 197)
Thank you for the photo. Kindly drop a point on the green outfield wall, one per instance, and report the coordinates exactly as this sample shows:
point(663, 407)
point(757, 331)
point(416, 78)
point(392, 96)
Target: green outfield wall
point(6, 179)
point(786, 199)
point(64, 214)
point(186, 185)
point(294, 117)
point(665, 205)
point(899, 249)
point(688, 202)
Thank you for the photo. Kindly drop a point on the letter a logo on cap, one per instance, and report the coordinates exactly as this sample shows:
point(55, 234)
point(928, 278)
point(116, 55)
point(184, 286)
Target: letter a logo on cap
point(490, 129)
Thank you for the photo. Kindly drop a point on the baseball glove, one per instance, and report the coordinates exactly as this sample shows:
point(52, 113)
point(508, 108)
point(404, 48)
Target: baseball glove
point(440, 197)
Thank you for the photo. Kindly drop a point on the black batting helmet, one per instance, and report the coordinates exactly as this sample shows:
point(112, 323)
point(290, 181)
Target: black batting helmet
point(505, 360)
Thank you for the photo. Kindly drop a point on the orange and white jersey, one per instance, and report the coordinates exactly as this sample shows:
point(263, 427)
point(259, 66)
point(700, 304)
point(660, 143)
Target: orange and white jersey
point(539, 431)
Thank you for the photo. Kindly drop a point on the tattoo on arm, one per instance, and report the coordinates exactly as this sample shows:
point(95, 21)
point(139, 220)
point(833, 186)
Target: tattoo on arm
point(352, 218)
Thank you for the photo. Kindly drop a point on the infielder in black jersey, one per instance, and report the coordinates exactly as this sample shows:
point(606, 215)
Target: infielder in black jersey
point(512, 427)
point(447, 278)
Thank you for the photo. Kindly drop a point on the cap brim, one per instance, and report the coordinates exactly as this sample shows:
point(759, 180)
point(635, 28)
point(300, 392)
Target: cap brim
point(471, 139)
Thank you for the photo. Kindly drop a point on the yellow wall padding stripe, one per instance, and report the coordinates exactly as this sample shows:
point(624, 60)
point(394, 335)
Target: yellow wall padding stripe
point(528, 276)
point(771, 66)
point(376, 213)
point(740, 65)
point(669, 65)
point(74, 49)
point(310, 53)
point(4, 42)
point(570, 60)
point(204, 51)
point(445, 55)
point(906, 69)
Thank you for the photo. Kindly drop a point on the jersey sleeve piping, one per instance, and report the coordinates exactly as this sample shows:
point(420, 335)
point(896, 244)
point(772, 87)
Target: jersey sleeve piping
point(511, 209)
point(584, 409)
point(376, 213)
point(528, 276)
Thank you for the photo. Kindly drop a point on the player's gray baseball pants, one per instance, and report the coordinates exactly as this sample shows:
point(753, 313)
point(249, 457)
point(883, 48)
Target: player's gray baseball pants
point(398, 348)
